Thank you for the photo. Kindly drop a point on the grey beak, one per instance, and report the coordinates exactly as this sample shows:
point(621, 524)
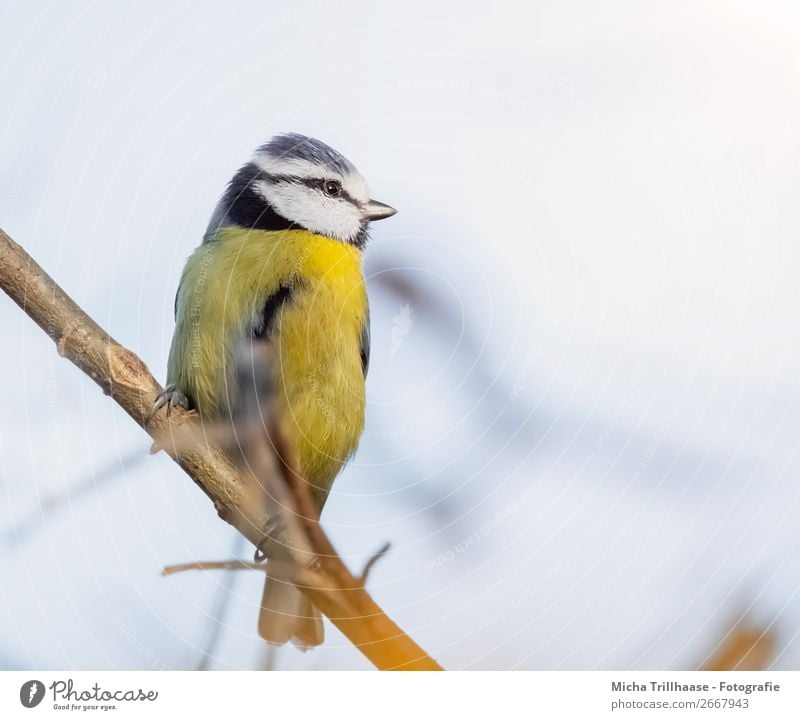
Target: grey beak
point(375, 210)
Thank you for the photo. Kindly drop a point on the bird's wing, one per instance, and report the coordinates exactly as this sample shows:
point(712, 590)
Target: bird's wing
point(177, 295)
point(365, 343)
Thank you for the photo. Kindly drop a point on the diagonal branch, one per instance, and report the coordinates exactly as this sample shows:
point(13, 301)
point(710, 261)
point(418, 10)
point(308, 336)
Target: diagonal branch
point(125, 378)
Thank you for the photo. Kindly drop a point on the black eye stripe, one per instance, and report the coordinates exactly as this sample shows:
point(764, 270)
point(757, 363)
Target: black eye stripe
point(315, 183)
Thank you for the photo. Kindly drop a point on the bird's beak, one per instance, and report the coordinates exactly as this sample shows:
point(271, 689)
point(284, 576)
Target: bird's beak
point(375, 210)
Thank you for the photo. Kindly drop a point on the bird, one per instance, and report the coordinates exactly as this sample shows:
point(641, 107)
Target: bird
point(281, 262)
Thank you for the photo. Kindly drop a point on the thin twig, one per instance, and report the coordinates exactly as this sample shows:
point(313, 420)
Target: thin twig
point(371, 562)
point(214, 565)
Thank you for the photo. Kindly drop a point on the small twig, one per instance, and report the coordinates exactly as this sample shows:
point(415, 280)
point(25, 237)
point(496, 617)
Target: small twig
point(371, 562)
point(214, 565)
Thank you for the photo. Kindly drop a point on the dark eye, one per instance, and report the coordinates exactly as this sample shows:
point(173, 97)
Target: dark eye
point(331, 188)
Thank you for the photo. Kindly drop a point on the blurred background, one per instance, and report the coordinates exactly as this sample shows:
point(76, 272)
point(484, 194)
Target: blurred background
point(583, 411)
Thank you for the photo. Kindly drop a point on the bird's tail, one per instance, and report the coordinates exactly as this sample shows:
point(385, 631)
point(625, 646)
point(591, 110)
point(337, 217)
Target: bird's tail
point(287, 614)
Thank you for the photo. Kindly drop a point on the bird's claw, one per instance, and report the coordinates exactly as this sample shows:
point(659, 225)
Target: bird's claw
point(171, 397)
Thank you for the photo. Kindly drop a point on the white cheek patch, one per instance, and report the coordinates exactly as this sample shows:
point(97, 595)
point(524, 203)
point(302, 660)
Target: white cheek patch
point(309, 208)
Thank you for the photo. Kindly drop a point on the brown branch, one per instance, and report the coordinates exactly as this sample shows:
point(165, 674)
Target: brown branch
point(124, 377)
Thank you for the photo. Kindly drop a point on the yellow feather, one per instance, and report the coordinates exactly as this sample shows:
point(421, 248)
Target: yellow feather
point(319, 377)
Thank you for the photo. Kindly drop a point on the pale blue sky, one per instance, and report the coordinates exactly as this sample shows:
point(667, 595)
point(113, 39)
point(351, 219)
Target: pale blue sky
point(592, 416)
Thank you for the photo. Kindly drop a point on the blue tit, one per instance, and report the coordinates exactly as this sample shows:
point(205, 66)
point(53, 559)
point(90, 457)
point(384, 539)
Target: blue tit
point(281, 261)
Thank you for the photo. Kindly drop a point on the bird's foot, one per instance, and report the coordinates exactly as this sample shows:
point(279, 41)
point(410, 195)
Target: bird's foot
point(170, 398)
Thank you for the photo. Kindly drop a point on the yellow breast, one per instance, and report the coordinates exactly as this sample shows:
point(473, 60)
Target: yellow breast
point(316, 334)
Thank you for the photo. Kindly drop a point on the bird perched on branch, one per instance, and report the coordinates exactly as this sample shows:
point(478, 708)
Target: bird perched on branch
point(281, 262)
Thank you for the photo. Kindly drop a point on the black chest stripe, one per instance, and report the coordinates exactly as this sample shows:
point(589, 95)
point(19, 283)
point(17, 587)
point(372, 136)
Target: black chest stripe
point(269, 312)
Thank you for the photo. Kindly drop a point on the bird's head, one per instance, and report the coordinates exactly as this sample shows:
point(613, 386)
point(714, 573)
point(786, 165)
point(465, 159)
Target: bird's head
point(294, 181)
